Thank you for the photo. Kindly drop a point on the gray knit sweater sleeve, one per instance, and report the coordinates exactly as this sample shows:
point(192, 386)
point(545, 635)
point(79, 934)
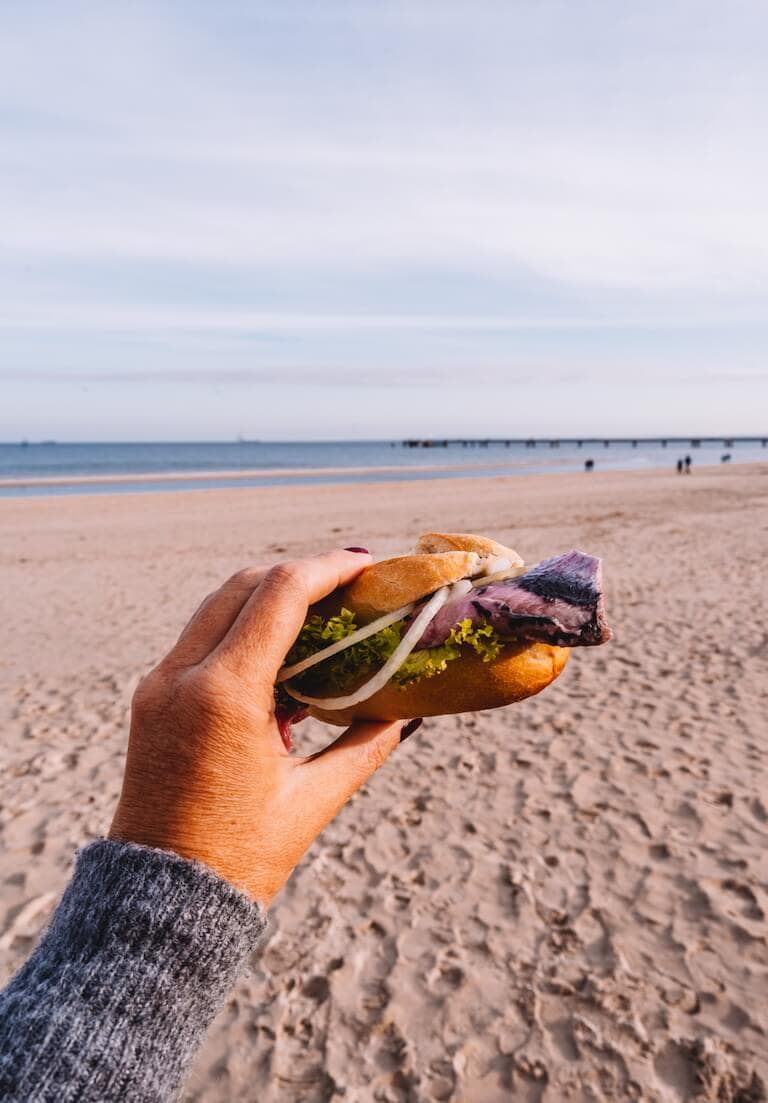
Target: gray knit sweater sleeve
point(139, 955)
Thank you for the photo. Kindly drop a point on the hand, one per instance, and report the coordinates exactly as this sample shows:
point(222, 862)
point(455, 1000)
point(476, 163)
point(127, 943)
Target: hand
point(207, 774)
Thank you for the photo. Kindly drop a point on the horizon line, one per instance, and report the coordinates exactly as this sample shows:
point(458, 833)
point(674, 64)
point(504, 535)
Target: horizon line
point(439, 440)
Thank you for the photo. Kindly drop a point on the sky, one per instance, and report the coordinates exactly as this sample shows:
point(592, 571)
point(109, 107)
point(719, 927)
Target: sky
point(303, 220)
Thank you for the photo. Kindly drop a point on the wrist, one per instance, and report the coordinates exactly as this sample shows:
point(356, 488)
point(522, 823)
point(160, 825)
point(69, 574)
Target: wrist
point(198, 842)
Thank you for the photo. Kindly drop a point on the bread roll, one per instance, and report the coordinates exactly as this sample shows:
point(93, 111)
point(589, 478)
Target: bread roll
point(466, 685)
point(466, 541)
point(388, 585)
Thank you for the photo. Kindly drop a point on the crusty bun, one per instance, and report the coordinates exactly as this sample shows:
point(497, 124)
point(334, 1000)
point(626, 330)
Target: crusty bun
point(466, 685)
point(466, 541)
point(387, 585)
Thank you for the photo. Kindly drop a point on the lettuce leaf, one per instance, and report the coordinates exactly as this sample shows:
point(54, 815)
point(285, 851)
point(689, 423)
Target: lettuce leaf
point(427, 662)
point(341, 670)
point(318, 633)
point(349, 666)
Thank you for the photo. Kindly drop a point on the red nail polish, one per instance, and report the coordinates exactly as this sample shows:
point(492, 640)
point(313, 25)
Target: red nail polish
point(363, 551)
point(410, 728)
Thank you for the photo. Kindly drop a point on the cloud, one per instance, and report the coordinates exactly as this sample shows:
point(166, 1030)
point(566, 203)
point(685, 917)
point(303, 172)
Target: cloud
point(408, 377)
point(240, 321)
point(631, 219)
point(545, 189)
point(292, 375)
point(144, 141)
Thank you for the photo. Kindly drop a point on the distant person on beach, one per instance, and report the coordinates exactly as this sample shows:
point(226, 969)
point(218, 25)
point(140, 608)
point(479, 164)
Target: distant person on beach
point(162, 915)
point(687, 465)
point(679, 467)
point(589, 465)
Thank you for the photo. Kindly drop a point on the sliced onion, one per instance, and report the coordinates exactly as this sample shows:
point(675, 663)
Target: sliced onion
point(341, 645)
point(499, 576)
point(497, 563)
point(391, 666)
point(458, 589)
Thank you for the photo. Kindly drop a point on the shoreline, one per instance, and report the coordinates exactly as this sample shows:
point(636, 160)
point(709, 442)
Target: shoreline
point(258, 473)
point(331, 476)
point(548, 484)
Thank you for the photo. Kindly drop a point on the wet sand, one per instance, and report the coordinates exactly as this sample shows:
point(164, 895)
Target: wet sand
point(564, 900)
point(245, 473)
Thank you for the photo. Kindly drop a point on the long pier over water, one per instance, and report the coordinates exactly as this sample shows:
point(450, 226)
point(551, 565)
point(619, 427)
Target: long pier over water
point(580, 442)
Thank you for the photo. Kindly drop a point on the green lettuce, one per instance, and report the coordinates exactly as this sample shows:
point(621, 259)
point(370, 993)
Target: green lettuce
point(485, 641)
point(341, 671)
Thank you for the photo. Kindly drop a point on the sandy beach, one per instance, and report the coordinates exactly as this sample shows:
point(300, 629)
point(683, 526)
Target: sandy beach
point(561, 901)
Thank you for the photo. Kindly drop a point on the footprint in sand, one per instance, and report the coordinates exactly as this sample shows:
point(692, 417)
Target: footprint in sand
point(758, 810)
point(298, 1070)
point(707, 1070)
point(563, 1039)
point(446, 977)
point(745, 899)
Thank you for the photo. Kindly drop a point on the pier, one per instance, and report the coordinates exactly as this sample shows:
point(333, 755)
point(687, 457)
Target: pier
point(580, 442)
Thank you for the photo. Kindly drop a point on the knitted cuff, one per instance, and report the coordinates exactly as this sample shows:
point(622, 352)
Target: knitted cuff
point(138, 957)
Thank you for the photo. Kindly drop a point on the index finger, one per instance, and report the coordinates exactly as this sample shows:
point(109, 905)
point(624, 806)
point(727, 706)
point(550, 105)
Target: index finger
point(273, 616)
point(214, 616)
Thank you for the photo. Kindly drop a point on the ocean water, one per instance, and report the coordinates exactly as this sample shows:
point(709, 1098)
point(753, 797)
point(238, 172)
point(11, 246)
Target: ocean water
point(25, 467)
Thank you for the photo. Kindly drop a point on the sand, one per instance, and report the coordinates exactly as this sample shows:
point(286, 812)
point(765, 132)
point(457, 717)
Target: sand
point(564, 900)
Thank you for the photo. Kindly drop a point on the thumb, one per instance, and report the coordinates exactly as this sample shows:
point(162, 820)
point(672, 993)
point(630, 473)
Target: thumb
point(337, 772)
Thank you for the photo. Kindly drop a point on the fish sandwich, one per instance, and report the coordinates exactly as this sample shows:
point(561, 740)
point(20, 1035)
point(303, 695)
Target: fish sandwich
point(460, 625)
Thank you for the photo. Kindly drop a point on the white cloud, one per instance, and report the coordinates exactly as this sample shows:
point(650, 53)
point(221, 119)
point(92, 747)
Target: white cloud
point(140, 138)
point(629, 217)
point(193, 319)
point(607, 160)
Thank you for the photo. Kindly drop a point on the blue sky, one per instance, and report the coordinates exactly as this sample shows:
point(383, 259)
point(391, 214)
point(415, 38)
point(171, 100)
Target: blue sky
point(323, 220)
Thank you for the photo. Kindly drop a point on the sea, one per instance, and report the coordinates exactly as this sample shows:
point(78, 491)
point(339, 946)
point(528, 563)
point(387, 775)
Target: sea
point(43, 468)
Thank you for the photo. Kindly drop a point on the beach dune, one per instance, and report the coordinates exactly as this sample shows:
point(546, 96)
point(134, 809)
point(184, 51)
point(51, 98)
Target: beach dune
point(560, 901)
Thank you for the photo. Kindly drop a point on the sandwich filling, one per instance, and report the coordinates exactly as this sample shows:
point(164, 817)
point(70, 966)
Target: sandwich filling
point(559, 602)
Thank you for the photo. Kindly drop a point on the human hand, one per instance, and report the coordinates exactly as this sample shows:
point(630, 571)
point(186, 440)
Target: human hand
point(207, 774)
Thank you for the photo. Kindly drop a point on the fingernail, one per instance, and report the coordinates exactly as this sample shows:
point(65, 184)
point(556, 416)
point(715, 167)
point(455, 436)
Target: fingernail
point(410, 728)
point(363, 551)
